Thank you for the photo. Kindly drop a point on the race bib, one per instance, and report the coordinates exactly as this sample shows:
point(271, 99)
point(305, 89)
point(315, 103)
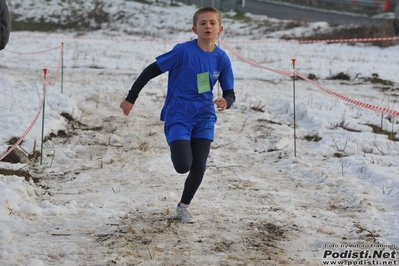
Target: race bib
point(203, 82)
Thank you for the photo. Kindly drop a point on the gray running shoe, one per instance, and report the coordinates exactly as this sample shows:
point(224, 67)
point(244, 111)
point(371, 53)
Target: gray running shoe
point(184, 214)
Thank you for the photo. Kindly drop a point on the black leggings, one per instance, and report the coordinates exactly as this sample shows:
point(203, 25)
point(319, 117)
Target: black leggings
point(190, 156)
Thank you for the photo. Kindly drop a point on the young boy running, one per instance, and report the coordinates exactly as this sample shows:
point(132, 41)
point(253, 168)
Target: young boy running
point(188, 112)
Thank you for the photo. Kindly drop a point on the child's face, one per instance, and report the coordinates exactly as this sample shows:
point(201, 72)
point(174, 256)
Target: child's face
point(208, 26)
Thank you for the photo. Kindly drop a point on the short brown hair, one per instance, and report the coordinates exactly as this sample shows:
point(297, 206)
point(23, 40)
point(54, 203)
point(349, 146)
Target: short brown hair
point(204, 10)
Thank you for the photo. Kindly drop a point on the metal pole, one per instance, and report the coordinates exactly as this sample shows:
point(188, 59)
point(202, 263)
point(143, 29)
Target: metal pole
point(44, 104)
point(62, 67)
point(293, 90)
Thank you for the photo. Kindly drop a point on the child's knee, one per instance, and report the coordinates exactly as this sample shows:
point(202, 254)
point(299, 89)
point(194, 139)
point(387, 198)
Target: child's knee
point(181, 168)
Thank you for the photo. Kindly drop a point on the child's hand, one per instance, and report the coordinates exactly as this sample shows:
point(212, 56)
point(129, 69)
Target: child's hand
point(126, 107)
point(220, 104)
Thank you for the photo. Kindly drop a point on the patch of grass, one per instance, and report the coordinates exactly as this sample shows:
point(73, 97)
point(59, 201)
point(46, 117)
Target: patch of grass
point(141, 1)
point(375, 79)
point(258, 107)
point(79, 125)
point(35, 156)
point(340, 76)
point(312, 76)
point(344, 125)
point(314, 138)
point(22, 173)
point(72, 19)
point(379, 130)
point(295, 24)
point(376, 31)
point(32, 25)
point(268, 121)
point(339, 155)
point(12, 140)
point(73, 125)
point(331, 5)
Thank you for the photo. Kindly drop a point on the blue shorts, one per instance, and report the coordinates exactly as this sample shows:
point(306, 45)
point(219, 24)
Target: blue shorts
point(200, 129)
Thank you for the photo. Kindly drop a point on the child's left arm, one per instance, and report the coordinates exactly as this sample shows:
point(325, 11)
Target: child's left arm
point(226, 101)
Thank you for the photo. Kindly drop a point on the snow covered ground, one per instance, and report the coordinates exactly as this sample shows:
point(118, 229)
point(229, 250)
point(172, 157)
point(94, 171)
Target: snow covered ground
point(107, 189)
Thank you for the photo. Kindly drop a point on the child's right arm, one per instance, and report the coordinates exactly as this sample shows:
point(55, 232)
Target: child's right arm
point(126, 107)
point(148, 73)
